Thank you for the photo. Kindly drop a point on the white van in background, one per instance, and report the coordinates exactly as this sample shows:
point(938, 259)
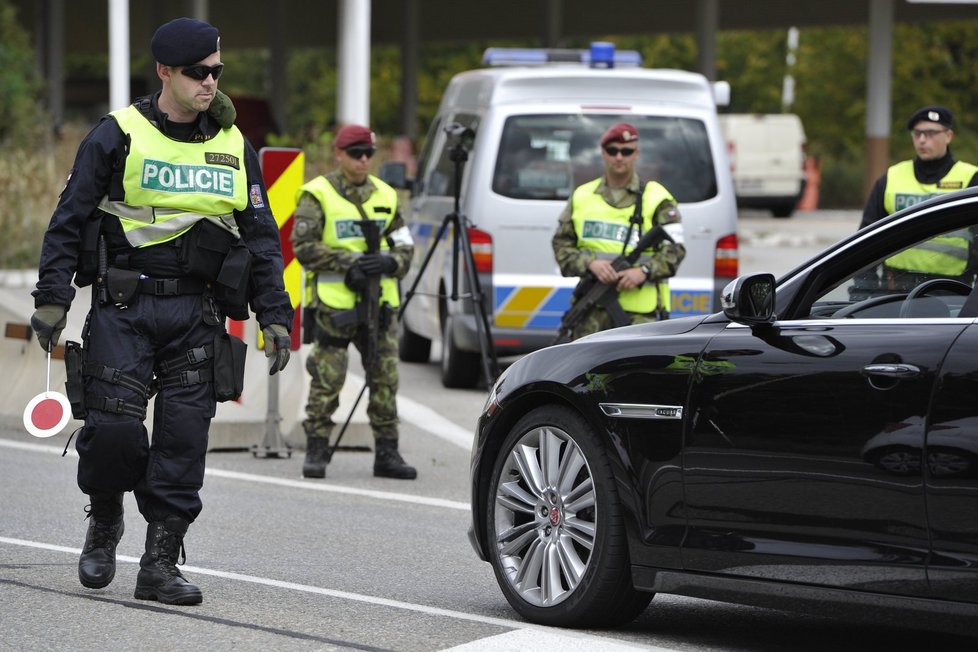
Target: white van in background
point(767, 159)
point(537, 118)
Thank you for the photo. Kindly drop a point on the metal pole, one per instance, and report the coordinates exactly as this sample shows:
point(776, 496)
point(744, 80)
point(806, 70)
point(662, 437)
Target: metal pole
point(118, 54)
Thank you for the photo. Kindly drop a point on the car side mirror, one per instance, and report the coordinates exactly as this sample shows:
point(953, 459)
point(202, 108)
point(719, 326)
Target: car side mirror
point(394, 173)
point(749, 299)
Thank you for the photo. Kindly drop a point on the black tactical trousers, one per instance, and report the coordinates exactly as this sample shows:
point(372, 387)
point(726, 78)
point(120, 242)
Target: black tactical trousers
point(115, 453)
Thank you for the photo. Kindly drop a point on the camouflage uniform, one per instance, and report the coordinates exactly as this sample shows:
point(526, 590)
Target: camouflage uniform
point(327, 363)
point(573, 261)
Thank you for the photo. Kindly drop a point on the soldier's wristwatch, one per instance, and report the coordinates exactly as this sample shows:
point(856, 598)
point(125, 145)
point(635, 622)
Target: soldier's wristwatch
point(648, 272)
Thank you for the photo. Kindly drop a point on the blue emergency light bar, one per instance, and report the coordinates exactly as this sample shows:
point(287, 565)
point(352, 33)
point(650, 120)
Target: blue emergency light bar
point(601, 55)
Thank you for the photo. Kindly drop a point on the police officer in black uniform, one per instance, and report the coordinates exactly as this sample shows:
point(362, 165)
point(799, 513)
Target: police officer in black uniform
point(166, 214)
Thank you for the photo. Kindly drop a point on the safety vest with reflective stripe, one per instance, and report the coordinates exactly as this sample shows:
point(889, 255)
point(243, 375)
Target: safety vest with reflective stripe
point(602, 228)
point(903, 189)
point(342, 231)
point(946, 254)
point(171, 185)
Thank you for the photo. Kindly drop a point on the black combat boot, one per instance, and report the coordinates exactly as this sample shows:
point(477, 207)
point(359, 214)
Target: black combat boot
point(159, 578)
point(318, 454)
point(96, 566)
point(388, 463)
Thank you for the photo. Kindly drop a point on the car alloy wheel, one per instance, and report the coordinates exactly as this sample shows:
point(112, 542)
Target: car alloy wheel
point(557, 542)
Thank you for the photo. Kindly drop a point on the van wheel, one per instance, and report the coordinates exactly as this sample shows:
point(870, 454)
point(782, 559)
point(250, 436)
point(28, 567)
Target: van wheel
point(412, 347)
point(784, 210)
point(459, 369)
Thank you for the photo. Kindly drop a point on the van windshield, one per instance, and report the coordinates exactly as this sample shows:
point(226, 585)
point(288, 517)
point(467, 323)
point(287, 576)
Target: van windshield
point(547, 156)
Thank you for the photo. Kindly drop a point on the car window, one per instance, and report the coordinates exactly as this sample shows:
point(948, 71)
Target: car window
point(546, 156)
point(930, 278)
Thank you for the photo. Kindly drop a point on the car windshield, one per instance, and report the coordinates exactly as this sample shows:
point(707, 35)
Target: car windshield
point(547, 156)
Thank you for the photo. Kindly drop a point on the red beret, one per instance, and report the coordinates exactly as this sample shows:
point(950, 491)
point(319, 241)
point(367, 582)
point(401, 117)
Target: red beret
point(351, 135)
point(622, 131)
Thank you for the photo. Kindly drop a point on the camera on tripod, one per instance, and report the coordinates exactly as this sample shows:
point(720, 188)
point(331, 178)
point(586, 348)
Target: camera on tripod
point(461, 138)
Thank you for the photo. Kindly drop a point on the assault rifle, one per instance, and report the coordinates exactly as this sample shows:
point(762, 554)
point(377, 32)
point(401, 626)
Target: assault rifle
point(367, 310)
point(590, 292)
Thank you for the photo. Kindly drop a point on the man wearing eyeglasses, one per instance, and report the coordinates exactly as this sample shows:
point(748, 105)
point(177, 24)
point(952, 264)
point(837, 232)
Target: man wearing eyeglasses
point(165, 213)
point(933, 171)
point(604, 219)
point(330, 245)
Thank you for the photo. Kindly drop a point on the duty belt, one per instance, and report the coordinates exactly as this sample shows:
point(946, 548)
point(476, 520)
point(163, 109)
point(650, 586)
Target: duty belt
point(166, 287)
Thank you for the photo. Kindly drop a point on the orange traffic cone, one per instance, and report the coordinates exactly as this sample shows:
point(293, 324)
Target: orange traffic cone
point(813, 178)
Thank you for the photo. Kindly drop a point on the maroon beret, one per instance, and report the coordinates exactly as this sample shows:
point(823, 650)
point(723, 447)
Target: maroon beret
point(351, 135)
point(622, 131)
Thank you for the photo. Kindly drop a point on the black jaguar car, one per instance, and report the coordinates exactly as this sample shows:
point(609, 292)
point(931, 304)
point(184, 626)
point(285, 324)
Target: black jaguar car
point(812, 444)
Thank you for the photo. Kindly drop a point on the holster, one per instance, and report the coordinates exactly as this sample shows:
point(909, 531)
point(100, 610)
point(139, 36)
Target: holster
point(74, 383)
point(229, 367)
point(122, 285)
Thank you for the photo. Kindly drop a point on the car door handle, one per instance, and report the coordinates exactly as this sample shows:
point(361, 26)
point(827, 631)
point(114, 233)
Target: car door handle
point(891, 370)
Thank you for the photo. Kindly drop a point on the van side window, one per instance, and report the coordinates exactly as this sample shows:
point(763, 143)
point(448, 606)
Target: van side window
point(424, 158)
point(546, 156)
point(442, 177)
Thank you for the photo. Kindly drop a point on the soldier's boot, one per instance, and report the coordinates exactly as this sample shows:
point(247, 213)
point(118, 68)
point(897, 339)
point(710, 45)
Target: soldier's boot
point(318, 455)
point(159, 578)
point(96, 566)
point(388, 463)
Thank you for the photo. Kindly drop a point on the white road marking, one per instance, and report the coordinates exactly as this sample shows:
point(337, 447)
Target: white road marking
point(536, 636)
point(422, 416)
point(316, 485)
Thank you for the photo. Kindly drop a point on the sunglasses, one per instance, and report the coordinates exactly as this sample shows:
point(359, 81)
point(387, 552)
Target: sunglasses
point(360, 152)
point(200, 72)
point(624, 151)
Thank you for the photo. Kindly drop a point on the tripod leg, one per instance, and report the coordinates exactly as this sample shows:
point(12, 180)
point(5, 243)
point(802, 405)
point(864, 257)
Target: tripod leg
point(424, 265)
point(348, 418)
point(490, 363)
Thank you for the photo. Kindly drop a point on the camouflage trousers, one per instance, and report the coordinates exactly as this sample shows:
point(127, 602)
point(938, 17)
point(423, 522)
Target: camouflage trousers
point(599, 320)
point(327, 365)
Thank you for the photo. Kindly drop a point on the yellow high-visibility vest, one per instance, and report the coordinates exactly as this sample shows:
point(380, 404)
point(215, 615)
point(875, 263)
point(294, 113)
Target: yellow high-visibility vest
point(342, 231)
point(946, 254)
point(170, 185)
point(602, 228)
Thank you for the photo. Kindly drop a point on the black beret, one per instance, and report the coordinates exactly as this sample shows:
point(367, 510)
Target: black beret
point(939, 114)
point(184, 41)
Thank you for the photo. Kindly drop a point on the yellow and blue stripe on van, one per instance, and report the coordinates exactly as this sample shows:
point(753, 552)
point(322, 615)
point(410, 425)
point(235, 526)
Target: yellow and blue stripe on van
point(528, 303)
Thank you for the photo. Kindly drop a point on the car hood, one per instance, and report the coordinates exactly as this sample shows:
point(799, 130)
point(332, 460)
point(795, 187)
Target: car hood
point(667, 327)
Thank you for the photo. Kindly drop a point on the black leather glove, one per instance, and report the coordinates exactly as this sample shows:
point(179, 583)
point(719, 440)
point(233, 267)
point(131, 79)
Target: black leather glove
point(376, 264)
point(277, 342)
point(355, 278)
point(48, 321)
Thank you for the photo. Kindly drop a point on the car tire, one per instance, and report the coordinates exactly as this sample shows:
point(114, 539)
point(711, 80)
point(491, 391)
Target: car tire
point(412, 347)
point(575, 524)
point(459, 369)
point(783, 210)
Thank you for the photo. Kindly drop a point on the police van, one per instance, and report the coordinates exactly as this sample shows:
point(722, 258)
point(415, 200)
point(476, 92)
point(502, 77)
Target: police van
point(532, 120)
